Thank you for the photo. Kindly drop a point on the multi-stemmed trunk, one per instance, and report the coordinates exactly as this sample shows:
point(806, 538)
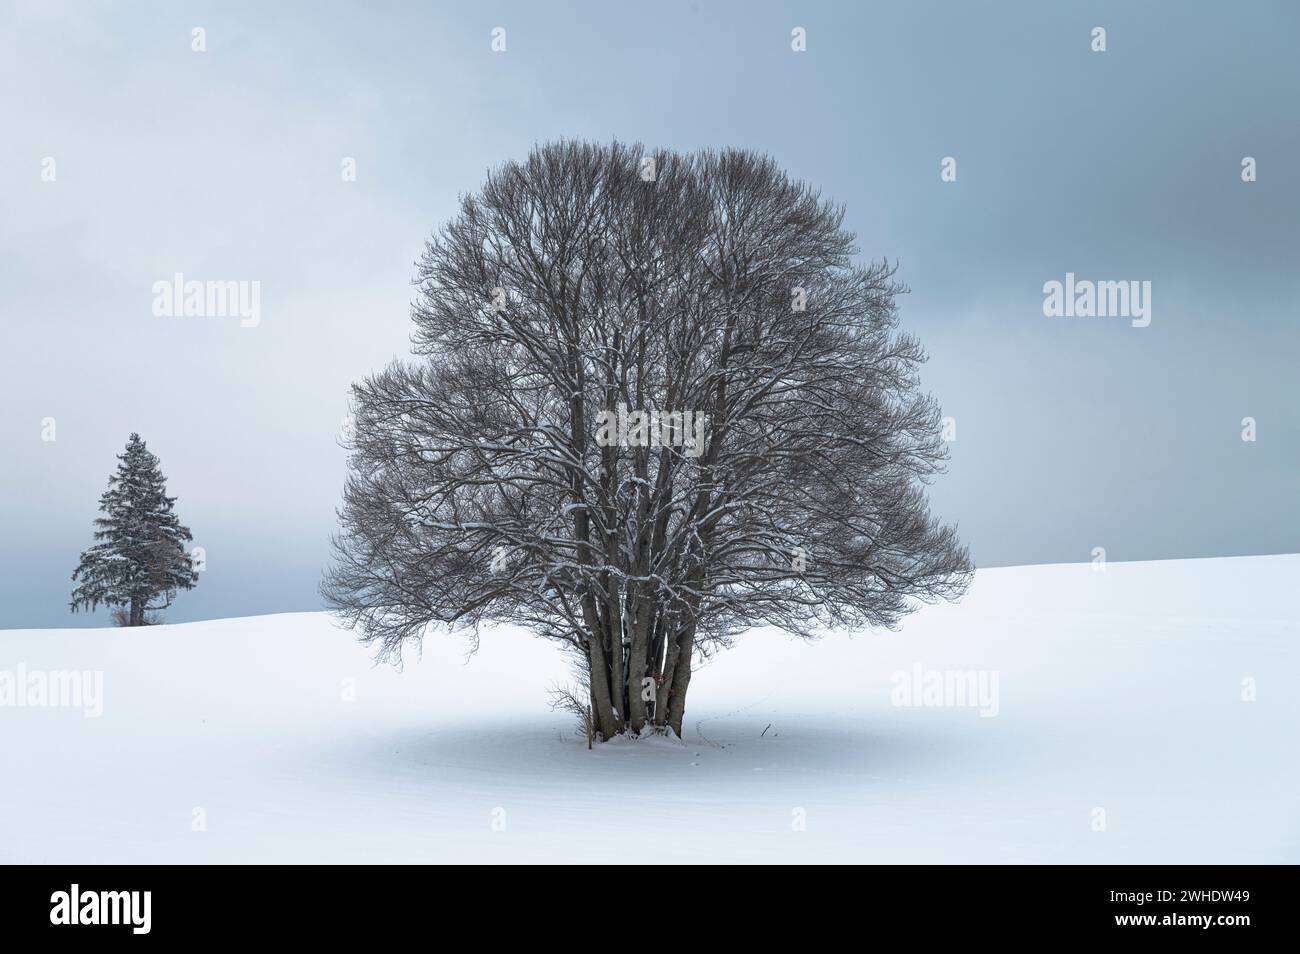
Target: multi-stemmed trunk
point(639, 664)
point(612, 697)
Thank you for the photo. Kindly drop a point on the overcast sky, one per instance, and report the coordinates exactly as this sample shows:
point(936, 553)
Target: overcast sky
point(1072, 433)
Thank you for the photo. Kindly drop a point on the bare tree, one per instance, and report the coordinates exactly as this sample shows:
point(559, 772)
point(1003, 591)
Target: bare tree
point(655, 404)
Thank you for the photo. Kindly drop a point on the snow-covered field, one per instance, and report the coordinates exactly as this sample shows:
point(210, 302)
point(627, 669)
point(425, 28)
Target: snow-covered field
point(1119, 704)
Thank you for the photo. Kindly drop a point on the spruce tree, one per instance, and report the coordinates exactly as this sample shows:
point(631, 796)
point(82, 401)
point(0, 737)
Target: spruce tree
point(140, 555)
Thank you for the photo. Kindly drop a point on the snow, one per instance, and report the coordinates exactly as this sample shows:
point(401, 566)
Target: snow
point(1119, 690)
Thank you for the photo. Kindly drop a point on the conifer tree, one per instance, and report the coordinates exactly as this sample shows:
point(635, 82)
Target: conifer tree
point(140, 555)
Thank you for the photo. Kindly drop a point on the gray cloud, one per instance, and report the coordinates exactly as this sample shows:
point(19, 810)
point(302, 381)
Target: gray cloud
point(224, 165)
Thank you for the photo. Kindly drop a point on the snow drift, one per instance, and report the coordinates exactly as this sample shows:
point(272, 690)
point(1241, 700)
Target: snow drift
point(1147, 712)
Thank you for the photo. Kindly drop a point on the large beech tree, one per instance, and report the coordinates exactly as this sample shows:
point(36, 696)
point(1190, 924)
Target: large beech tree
point(593, 284)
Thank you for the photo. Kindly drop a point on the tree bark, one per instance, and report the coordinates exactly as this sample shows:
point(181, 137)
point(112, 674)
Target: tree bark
point(681, 680)
point(598, 671)
point(614, 612)
point(636, 663)
point(673, 647)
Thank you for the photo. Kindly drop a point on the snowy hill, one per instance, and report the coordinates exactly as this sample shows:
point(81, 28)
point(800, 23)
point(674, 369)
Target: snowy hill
point(1115, 699)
